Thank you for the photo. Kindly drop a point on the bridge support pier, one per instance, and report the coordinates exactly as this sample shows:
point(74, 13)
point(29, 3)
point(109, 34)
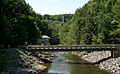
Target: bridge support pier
point(112, 54)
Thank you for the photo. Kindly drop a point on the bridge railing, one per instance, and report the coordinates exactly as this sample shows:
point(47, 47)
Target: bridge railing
point(99, 47)
point(112, 46)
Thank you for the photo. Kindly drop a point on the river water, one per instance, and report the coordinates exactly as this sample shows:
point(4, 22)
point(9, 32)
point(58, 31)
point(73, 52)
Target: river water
point(66, 63)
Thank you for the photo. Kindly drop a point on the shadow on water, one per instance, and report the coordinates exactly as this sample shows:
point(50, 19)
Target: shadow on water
point(72, 62)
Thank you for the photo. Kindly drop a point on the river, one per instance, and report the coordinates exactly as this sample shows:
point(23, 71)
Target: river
point(66, 63)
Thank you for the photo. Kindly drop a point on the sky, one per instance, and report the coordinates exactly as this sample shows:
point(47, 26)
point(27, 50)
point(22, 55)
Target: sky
point(54, 7)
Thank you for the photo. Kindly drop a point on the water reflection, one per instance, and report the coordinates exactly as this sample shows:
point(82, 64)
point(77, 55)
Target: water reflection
point(66, 63)
point(59, 67)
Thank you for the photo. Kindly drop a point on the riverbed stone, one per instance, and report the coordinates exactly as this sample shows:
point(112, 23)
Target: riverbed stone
point(96, 56)
point(112, 65)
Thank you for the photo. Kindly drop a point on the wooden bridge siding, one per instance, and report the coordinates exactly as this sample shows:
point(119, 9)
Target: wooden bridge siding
point(72, 47)
point(54, 50)
point(105, 47)
point(108, 45)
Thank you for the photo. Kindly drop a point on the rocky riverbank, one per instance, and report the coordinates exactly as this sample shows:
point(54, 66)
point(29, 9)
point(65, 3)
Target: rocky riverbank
point(20, 61)
point(111, 65)
point(96, 56)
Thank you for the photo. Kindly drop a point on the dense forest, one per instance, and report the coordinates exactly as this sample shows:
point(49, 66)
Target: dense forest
point(60, 17)
point(20, 24)
point(97, 22)
point(54, 27)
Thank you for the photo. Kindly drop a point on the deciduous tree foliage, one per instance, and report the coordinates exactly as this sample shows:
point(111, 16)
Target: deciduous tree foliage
point(97, 22)
point(53, 28)
point(19, 23)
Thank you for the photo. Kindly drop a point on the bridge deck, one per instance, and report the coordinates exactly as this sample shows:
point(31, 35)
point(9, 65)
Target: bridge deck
point(107, 47)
